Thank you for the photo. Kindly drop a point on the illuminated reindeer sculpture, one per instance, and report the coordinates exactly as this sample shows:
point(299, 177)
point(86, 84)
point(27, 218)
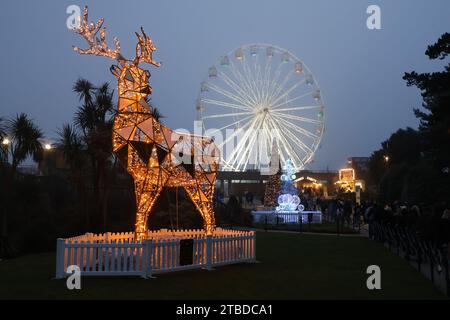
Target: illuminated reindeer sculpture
point(153, 154)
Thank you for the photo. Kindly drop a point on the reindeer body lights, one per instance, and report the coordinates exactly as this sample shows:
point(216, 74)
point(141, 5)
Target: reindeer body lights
point(153, 154)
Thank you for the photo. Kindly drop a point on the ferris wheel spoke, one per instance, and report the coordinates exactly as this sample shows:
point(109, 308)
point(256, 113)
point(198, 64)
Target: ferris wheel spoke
point(258, 77)
point(250, 144)
point(236, 88)
point(228, 94)
point(238, 149)
point(224, 115)
point(300, 143)
point(292, 100)
point(281, 85)
point(230, 125)
point(238, 75)
point(250, 78)
point(227, 165)
point(297, 128)
point(298, 118)
point(289, 150)
point(225, 104)
point(296, 108)
point(265, 146)
point(287, 92)
point(246, 151)
point(266, 82)
point(234, 155)
point(236, 132)
point(282, 139)
point(274, 82)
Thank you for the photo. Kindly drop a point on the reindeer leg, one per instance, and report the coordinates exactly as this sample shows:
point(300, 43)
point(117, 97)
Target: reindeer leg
point(204, 205)
point(146, 198)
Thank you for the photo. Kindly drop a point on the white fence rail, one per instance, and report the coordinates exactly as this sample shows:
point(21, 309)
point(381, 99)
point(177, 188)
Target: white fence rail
point(273, 217)
point(116, 254)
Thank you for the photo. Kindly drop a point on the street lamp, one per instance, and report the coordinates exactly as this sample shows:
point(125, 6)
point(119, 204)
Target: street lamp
point(6, 141)
point(48, 146)
point(386, 158)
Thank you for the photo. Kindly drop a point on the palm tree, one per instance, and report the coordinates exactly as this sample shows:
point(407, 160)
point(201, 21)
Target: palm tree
point(154, 110)
point(3, 146)
point(94, 119)
point(74, 151)
point(156, 114)
point(24, 138)
point(24, 141)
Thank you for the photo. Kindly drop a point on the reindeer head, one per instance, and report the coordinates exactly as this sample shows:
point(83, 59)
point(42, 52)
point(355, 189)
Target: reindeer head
point(133, 81)
point(99, 47)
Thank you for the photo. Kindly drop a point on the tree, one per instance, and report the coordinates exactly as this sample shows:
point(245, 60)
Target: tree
point(3, 146)
point(94, 119)
point(403, 146)
point(24, 141)
point(24, 138)
point(391, 167)
point(272, 190)
point(156, 114)
point(435, 118)
point(74, 151)
point(154, 110)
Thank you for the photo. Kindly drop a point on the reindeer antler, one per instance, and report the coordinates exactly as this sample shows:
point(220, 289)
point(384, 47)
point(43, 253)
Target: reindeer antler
point(144, 49)
point(97, 46)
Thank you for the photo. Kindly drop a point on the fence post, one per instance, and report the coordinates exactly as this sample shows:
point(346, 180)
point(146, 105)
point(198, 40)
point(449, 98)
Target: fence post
point(209, 252)
point(254, 245)
point(309, 221)
point(147, 258)
point(300, 221)
point(445, 257)
point(419, 258)
point(60, 258)
point(337, 224)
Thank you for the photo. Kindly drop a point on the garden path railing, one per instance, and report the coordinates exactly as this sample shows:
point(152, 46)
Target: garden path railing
point(430, 258)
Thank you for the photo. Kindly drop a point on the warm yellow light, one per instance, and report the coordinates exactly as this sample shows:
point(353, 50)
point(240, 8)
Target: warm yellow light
point(6, 141)
point(48, 146)
point(386, 158)
point(347, 174)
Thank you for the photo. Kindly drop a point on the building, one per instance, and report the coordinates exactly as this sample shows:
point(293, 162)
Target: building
point(348, 182)
point(237, 183)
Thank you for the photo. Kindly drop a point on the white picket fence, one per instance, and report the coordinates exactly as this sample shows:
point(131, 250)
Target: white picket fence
point(116, 254)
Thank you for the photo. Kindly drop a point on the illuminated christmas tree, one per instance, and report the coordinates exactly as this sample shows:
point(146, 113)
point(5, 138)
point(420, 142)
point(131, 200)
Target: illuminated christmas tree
point(272, 190)
point(288, 200)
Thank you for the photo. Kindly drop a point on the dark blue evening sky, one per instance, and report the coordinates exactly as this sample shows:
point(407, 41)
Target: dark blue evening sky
point(359, 70)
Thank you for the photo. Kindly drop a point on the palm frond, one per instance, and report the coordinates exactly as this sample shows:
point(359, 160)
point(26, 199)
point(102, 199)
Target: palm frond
point(84, 89)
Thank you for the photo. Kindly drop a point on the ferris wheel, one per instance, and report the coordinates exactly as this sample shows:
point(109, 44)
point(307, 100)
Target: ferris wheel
point(259, 97)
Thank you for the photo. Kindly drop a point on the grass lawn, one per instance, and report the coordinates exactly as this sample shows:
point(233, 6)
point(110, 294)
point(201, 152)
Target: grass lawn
point(325, 227)
point(292, 266)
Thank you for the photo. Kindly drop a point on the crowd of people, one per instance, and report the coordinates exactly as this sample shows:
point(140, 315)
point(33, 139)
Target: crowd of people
point(430, 223)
